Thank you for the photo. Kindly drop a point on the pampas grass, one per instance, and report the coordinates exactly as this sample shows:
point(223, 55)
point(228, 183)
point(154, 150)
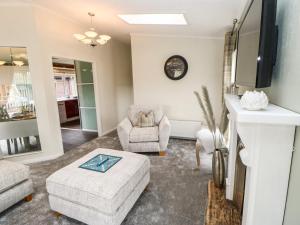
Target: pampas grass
point(224, 120)
point(207, 104)
point(206, 107)
point(206, 116)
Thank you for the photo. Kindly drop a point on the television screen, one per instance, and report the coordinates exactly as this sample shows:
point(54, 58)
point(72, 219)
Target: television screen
point(257, 45)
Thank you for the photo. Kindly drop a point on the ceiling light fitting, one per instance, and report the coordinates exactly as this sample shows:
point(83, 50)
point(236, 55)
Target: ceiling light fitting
point(18, 63)
point(91, 37)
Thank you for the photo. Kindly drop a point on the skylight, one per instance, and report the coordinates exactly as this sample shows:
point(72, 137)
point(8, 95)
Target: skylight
point(160, 19)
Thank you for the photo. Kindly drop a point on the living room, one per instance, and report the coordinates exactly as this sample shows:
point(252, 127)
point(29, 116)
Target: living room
point(147, 60)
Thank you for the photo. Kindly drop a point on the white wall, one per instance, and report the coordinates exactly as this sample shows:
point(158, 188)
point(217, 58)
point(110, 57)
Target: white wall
point(285, 91)
point(152, 86)
point(47, 34)
point(123, 78)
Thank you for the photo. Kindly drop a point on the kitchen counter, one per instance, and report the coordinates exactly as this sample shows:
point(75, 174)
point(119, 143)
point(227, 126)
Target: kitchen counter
point(68, 109)
point(65, 99)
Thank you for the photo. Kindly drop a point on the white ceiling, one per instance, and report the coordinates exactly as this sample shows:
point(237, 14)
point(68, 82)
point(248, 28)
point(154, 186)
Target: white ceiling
point(206, 18)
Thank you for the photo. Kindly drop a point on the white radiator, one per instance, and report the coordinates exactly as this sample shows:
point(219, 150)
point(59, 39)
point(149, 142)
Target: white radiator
point(185, 128)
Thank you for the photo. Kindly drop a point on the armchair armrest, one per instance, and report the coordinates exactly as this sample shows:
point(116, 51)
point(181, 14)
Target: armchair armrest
point(164, 133)
point(124, 129)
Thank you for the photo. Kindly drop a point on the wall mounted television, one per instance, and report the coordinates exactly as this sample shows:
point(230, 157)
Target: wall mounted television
point(257, 45)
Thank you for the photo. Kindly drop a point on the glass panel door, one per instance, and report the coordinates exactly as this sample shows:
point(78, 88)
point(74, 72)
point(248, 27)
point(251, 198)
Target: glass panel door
point(86, 94)
point(88, 119)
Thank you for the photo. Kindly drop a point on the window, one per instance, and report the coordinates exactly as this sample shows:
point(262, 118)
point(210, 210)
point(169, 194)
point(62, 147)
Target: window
point(65, 86)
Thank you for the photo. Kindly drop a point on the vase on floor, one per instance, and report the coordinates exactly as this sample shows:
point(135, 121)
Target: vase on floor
point(218, 167)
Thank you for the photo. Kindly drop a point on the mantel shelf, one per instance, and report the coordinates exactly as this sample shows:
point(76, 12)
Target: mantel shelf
point(272, 115)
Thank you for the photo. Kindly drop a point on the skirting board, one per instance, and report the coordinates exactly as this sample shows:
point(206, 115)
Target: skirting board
point(185, 128)
point(88, 130)
point(108, 131)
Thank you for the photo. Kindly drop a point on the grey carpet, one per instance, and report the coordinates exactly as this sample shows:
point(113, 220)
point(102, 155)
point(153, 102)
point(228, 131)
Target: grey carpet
point(177, 193)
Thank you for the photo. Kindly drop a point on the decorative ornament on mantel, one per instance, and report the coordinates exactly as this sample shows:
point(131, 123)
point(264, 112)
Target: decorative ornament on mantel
point(91, 37)
point(254, 100)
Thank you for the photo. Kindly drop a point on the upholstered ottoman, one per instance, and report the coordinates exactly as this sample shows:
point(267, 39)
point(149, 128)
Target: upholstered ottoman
point(100, 198)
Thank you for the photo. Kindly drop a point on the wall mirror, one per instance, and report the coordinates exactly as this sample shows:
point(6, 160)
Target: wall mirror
point(18, 125)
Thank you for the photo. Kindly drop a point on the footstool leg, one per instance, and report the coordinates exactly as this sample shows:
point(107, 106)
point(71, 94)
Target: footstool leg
point(162, 153)
point(28, 198)
point(56, 214)
point(198, 148)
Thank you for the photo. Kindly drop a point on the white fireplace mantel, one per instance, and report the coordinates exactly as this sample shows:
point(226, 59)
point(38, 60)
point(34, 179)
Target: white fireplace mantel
point(268, 137)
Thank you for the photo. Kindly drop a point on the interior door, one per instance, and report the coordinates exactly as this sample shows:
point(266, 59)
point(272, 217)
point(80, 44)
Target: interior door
point(86, 95)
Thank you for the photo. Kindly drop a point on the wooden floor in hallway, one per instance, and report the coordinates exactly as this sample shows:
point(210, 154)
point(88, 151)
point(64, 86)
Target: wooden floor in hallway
point(73, 138)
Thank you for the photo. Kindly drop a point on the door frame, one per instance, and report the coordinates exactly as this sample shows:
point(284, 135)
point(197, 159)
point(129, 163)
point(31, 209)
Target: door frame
point(96, 88)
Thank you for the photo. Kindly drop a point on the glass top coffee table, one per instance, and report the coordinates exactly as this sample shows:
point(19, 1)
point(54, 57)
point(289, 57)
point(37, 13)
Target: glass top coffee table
point(100, 163)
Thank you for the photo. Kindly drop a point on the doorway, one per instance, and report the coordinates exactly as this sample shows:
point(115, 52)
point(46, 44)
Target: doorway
point(75, 96)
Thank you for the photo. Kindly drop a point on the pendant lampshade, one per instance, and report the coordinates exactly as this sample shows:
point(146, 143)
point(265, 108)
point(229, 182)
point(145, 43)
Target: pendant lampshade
point(91, 37)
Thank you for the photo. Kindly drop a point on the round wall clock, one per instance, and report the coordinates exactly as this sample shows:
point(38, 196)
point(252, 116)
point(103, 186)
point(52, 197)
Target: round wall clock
point(176, 67)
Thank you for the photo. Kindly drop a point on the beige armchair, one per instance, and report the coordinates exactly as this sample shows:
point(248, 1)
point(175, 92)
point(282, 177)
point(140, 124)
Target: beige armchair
point(144, 139)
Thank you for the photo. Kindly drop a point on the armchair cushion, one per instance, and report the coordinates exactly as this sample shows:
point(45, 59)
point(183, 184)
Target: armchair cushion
point(146, 120)
point(143, 134)
point(134, 110)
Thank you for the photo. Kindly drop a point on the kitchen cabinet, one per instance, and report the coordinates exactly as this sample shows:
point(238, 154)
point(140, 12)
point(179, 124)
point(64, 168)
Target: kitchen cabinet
point(68, 110)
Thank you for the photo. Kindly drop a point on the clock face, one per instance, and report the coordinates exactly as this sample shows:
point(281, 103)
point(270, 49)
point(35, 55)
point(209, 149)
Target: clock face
point(176, 67)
